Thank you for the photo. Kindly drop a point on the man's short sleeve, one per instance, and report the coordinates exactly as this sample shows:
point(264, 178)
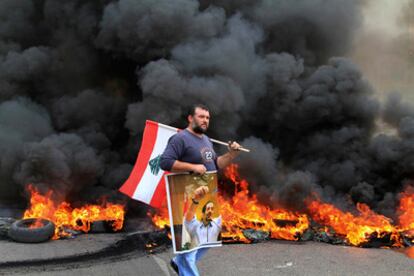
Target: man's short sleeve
point(173, 152)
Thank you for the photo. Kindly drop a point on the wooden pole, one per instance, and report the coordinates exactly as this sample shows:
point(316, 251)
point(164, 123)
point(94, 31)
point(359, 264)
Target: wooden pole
point(212, 140)
point(226, 144)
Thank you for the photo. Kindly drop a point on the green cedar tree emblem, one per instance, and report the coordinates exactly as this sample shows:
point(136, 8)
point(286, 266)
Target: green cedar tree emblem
point(155, 164)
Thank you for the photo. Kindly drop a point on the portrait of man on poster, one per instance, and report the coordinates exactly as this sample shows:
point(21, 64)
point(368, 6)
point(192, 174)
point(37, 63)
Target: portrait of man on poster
point(207, 229)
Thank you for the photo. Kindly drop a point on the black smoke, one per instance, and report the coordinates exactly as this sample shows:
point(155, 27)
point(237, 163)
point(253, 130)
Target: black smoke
point(78, 79)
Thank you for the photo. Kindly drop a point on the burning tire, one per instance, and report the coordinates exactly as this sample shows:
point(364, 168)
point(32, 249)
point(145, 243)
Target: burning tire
point(32, 230)
point(101, 226)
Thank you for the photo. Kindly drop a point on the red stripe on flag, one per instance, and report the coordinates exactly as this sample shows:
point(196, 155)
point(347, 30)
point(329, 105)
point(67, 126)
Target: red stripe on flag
point(159, 194)
point(147, 145)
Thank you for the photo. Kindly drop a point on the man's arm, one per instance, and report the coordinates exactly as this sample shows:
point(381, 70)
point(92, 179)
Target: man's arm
point(226, 159)
point(180, 166)
point(199, 193)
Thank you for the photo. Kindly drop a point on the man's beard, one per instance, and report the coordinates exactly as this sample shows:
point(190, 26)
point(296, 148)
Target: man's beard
point(208, 217)
point(207, 220)
point(198, 129)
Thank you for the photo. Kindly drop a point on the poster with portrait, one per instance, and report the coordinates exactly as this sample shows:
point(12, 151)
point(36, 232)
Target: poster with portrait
point(194, 211)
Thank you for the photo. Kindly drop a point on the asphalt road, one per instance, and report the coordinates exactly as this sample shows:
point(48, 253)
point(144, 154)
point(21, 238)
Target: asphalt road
point(268, 258)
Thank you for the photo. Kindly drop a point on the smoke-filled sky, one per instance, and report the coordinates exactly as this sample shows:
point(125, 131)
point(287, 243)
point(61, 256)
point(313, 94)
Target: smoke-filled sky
point(287, 79)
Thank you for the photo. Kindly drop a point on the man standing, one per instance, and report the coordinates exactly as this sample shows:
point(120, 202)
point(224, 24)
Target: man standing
point(206, 230)
point(191, 150)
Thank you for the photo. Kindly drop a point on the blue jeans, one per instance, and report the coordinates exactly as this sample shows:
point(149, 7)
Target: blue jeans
point(186, 262)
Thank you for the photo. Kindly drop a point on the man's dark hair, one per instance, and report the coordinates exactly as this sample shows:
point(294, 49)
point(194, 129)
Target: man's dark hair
point(191, 110)
point(205, 206)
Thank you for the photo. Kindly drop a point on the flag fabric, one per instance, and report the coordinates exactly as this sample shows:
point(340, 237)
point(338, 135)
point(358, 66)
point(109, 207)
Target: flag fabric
point(146, 182)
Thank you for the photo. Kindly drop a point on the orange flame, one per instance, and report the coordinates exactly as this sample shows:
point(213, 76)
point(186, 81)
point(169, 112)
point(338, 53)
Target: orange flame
point(406, 210)
point(160, 219)
point(36, 224)
point(63, 216)
point(243, 211)
point(357, 229)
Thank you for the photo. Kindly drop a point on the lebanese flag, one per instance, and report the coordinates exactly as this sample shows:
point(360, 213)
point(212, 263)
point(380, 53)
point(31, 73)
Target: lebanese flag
point(146, 182)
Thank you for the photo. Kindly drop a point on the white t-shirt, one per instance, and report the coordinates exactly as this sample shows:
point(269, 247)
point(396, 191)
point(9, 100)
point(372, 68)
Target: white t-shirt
point(203, 234)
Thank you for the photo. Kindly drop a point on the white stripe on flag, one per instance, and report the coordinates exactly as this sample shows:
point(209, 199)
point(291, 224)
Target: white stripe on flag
point(149, 182)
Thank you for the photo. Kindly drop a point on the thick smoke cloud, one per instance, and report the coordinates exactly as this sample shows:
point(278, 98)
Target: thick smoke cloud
point(315, 29)
point(144, 30)
point(260, 166)
point(85, 75)
point(163, 86)
point(16, 26)
point(62, 161)
point(89, 109)
point(220, 72)
point(20, 68)
point(21, 122)
point(297, 188)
